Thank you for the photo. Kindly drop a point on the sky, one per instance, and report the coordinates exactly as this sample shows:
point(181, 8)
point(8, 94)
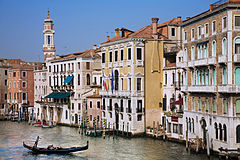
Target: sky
point(79, 24)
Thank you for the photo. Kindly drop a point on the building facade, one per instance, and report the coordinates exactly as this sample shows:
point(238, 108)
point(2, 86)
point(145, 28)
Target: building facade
point(212, 75)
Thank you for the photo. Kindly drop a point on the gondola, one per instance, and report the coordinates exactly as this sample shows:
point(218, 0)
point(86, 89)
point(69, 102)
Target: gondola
point(56, 150)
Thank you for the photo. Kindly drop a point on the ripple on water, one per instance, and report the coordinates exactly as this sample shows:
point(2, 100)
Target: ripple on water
point(12, 135)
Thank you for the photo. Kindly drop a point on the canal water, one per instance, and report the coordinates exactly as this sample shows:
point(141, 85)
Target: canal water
point(12, 134)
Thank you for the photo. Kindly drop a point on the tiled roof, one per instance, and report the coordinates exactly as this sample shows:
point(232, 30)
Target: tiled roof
point(146, 32)
point(88, 53)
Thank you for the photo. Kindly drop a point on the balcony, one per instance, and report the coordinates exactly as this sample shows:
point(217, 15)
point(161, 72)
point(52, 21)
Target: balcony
point(121, 63)
point(184, 88)
point(182, 64)
point(115, 64)
point(212, 61)
point(222, 59)
point(236, 58)
point(201, 62)
point(229, 88)
point(202, 88)
point(139, 93)
point(103, 65)
point(139, 63)
point(128, 62)
point(24, 102)
point(110, 64)
point(191, 64)
point(115, 93)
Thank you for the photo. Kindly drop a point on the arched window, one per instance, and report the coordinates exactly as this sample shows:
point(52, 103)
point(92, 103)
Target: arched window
point(216, 130)
point(66, 114)
point(225, 132)
point(192, 53)
point(214, 49)
point(116, 79)
point(88, 79)
point(238, 134)
point(220, 130)
point(237, 75)
point(224, 46)
point(192, 125)
point(238, 106)
point(237, 45)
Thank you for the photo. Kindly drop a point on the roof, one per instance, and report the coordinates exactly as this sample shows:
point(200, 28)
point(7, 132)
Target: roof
point(20, 64)
point(87, 54)
point(94, 96)
point(146, 32)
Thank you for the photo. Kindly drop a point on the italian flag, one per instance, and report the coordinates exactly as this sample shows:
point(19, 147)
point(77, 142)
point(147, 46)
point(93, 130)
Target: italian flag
point(104, 83)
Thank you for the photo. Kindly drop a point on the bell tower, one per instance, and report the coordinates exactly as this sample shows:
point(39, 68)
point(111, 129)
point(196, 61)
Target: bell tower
point(48, 34)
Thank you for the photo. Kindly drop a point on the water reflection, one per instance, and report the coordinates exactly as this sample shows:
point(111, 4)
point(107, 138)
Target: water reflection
point(12, 134)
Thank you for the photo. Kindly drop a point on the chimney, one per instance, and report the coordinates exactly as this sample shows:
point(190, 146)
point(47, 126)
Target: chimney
point(94, 46)
point(116, 32)
point(188, 18)
point(179, 18)
point(108, 38)
point(211, 7)
point(154, 27)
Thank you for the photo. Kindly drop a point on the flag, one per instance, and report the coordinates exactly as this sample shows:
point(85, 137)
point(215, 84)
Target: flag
point(112, 82)
point(104, 83)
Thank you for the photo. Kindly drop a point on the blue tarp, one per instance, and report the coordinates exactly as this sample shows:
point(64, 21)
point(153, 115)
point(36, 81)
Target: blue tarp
point(68, 79)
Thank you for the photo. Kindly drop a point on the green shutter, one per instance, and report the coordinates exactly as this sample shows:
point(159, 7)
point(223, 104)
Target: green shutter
point(225, 75)
point(238, 106)
point(224, 47)
point(214, 49)
point(206, 50)
point(185, 55)
point(209, 80)
point(237, 76)
point(214, 105)
point(207, 108)
point(205, 75)
point(214, 77)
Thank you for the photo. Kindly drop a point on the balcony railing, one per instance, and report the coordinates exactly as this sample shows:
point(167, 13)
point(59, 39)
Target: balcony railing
point(212, 60)
point(201, 62)
point(128, 62)
point(121, 63)
point(191, 64)
point(182, 64)
point(222, 59)
point(24, 101)
point(139, 63)
point(229, 88)
point(202, 88)
point(236, 58)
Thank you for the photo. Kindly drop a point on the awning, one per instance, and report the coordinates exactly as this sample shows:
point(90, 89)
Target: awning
point(178, 102)
point(202, 42)
point(68, 79)
point(59, 95)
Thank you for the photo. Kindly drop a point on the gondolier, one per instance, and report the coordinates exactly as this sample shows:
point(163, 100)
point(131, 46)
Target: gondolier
point(36, 142)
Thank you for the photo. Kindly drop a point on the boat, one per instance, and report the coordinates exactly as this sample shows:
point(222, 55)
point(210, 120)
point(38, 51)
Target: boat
point(39, 123)
point(55, 150)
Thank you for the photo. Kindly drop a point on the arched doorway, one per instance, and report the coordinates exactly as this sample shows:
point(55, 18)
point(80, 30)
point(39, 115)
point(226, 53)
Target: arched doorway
point(76, 119)
point(203, 126)
point(117, 116)
point(116, 79)
point(238, 134)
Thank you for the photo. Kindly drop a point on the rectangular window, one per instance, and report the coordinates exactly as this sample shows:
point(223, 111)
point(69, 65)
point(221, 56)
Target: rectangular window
point(139, 117)
point(214, 26)
point(139, 53)
point(199, 31)
point(175, 128)
point(78, 66)
point(237, 21)
point(173, 31)
point(165, 78)
point(129, 53)
point(6, 72)
point(214, 76)
point(90, 104)
point(185, 36)
point(72, 106)
point(206, 29)
point(224, 22)
point(78, 79)
point(14, 74)
point(90, 117)
point(87, 65)
point(164, 104)
point(193, 32)
point(116, 56)
point(98, 104)
point(24, 96)
point(122, 55)
point(110, 56)
point(103, 57)
point(24, 84)
point(79, 106)
point(122, 84)
point(129, 106)
point(5, 96)
point(129, 84)
point(173, 78)
point(24, 74)
point(138, 84)
point(5, 82)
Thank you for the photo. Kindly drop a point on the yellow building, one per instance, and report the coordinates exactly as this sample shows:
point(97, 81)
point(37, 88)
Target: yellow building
point(132, 72)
